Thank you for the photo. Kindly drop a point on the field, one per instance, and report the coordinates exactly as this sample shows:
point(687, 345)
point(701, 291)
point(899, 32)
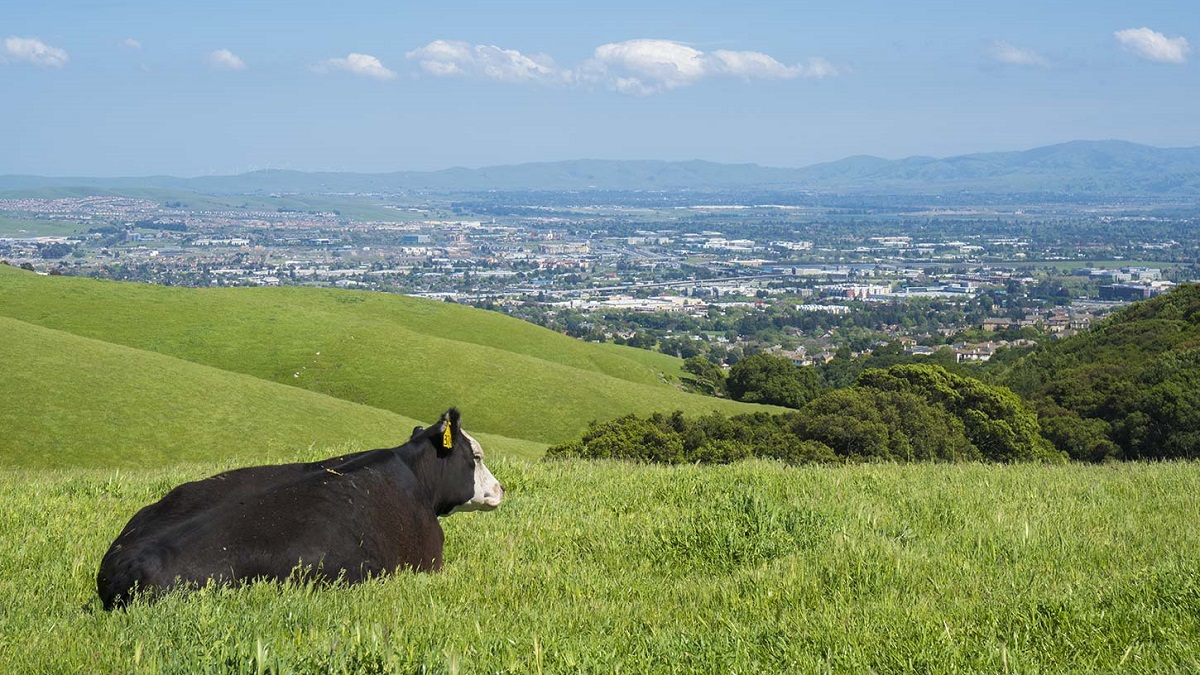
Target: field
point(360, 209)
point(114, 393)
point(20, 228)
point(610, 567)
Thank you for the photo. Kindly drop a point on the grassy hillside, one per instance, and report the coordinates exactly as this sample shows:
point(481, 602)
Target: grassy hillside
point(76, 402)
point(1129, 388)
point(609, 567)
point(409, 356)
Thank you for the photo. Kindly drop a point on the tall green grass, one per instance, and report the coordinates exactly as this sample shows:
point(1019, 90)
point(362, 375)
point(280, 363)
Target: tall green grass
point(609, 567)
point(410, 356)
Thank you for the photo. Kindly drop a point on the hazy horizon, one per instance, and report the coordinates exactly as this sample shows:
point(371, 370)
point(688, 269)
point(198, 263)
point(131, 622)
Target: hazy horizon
point(575, 159)
point(221, 88)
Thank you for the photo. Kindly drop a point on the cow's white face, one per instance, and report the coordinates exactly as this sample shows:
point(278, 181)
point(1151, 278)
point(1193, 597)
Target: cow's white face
point(488, 491)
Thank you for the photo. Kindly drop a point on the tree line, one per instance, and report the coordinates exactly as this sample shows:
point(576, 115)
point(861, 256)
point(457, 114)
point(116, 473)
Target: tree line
point(907, 412)
point(1128, 389)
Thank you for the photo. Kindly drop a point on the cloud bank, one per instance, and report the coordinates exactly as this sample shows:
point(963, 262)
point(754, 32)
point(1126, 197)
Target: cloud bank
point(1154, 46)
point(644, 67)
point(1007, 54)
point(445, 58)
point(638, 67)
point(223, 59)
point(33, 50)
point(362, 65)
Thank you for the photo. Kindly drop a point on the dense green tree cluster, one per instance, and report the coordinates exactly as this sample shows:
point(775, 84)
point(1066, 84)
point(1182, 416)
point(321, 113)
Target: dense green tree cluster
point(995, 419)
point(710, 439)
point(1127, 389)
point(904, 413)
point(772, 380)
point(704, 376)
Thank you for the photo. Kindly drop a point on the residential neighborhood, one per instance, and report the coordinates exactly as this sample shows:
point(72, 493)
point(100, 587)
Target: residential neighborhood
point(603, 272)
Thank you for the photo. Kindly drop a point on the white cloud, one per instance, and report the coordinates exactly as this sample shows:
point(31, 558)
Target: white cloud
point(130, 43)
point(648, 66)
point(1154, 46)
point(223, 59)
point(446, 58)
point(34, 51)
point(761, 66)
point(644, 67)
point(639, 67)
point(1003, 52)
point(363, 65)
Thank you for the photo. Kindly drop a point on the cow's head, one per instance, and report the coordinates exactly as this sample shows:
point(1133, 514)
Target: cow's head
point(460, 481)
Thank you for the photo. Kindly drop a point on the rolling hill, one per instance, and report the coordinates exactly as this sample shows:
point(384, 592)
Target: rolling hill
point(1112, 167)
point(391, 353)
point(71, 401)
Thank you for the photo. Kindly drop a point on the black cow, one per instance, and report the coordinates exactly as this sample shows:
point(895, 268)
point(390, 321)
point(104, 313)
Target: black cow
point(349, 518)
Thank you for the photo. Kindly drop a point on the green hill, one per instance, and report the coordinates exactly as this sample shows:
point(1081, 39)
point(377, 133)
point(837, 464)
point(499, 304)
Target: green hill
point(1129, 388)
point(73, 401)
point(405, 355)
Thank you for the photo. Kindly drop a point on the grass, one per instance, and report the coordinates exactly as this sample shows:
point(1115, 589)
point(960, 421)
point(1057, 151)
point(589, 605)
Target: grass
point(21, 228)
point(350, 207)
point(409, 356)
point(71, 401)
point(603, 567)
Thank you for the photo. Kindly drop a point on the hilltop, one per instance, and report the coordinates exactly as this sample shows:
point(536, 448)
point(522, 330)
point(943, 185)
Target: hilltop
point(1087, 167)
point(409, 357)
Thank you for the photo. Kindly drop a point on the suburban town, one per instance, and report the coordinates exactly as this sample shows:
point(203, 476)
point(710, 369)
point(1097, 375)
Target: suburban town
point(989, 277)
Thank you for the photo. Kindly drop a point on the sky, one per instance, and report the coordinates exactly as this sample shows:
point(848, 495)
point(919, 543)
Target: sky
point(183, 88)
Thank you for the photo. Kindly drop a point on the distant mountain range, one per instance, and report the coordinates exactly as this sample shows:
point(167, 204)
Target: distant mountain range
point(1093, 167)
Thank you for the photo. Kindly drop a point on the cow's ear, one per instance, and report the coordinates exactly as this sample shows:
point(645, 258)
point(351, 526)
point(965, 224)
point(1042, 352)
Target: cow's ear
point(450, 428)
point(417, 431)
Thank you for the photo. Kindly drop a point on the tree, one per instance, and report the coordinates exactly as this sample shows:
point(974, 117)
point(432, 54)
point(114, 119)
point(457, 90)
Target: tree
point(55, 251)
point(861, 423)
point(763, 378)
point(707, 376)
point(1084, 439)
point(997, 421)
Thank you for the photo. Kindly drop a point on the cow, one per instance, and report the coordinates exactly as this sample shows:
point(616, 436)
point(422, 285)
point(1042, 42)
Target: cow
point(347, 518)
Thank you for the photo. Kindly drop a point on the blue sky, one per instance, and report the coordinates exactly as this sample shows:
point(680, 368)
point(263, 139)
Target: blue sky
point(133, 87)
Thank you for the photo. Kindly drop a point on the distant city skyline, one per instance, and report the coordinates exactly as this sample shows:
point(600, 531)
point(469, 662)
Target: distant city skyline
point(136, 88)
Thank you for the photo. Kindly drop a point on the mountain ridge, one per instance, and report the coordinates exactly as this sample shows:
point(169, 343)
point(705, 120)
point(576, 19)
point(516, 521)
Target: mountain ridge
point(1109, 166)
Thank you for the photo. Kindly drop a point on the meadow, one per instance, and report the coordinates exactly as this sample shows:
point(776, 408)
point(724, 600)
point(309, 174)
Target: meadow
point(114, 393)
point(407, 356)
point(611, 567)
point(72, 401)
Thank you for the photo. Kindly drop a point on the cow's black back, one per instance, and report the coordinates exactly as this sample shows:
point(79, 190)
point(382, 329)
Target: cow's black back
point(348, 517)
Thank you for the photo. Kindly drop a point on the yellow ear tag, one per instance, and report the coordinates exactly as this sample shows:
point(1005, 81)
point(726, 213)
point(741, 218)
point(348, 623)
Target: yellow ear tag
point(447, 438)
